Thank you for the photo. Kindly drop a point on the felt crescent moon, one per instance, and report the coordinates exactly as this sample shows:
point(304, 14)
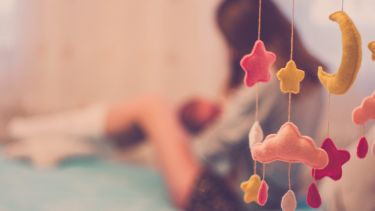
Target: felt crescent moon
point(340, 82)
point(371, 46)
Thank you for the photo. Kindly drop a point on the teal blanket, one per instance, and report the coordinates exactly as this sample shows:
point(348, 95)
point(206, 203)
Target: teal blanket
point(80, 185)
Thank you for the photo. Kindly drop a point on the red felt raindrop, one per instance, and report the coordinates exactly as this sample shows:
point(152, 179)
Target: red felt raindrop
point(313, 197)
point(362, 148)
point(263, 193)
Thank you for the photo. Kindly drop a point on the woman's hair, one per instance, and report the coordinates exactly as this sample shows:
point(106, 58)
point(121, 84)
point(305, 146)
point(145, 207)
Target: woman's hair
point(238, 21)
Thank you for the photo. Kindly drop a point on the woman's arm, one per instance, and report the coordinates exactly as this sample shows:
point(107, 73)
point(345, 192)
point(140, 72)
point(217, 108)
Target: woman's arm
point(179, 166)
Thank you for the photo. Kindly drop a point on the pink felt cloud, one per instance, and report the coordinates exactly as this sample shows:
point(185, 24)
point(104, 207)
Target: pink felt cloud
point(289, 145)
point(337, 158)
point(257, 64)
point(365, 111)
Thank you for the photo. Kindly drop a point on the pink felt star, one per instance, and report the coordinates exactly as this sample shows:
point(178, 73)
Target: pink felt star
point(257, 64)
point(337, 158)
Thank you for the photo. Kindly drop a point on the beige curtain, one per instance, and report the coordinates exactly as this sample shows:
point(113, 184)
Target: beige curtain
point(73, 52)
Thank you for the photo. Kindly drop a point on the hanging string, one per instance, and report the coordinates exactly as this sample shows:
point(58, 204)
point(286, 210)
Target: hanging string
point(255, 167)
point(256, 103)
point(291, 56)
point(342, 5)
point(264, 172)
point(292, 32)
point(290, 94)
point(313, 175)
point(259, 18)
point(256, 85)
point(289, 106)
point(289, 173)
point(363, 130)
point(329, 115)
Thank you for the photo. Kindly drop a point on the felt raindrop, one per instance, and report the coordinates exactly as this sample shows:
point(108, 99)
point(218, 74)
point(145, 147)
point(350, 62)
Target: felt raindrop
point(362, 148)
point(263, 193)
point(255, 134)
point(289, 201)
point(313, 196)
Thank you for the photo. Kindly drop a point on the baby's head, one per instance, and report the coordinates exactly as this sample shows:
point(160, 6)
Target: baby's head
point(198, 113)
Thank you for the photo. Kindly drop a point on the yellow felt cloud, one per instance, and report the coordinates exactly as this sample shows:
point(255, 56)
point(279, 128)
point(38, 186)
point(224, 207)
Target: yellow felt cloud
point(340, 82)
point(371, 46)
point(290, 78)
point(251, 189)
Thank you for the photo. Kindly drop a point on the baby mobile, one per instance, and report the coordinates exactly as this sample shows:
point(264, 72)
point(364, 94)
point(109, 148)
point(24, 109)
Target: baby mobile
point(288, 144)
point(365, 112)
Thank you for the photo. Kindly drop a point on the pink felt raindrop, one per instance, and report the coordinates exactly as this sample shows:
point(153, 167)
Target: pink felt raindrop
point(362, 148)
point(289, 201)
point(313, 197)
point(263, 193)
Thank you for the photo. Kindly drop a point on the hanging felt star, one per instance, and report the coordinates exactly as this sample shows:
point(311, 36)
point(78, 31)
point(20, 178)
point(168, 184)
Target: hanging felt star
point(251, 189)
point(337, 158)
point(290, 78)
point(257, 64)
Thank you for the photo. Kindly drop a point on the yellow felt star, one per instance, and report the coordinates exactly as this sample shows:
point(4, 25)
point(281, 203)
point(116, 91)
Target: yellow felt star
point(251, 189)
point(371, 46)
point(290, 78)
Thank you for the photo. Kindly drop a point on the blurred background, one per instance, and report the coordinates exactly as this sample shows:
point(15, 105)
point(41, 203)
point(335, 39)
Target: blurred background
point(48, 49)
point(60, 54)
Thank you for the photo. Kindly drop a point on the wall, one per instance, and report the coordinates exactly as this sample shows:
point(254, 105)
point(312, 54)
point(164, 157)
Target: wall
point(71, 52)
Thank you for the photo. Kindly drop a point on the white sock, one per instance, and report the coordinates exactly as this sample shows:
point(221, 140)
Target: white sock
point(88, 122)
